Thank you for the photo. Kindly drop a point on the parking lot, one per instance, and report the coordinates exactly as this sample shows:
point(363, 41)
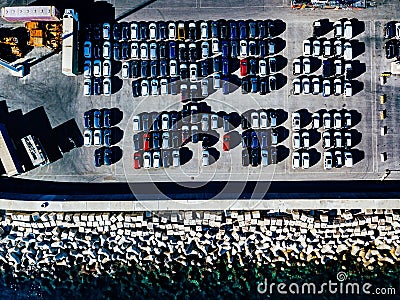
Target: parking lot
point(69, 102)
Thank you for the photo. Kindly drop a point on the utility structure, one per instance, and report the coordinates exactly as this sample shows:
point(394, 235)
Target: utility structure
point(70, 43)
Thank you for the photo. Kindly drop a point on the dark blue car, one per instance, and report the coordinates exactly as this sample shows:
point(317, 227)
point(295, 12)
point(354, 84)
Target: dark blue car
point(242, 30)
point(98, 158)
point(233, 30)
point(225, 67)
point(144, 68)
point(224, 48)
point(172, 50)
point(254, 140)
point(156, 140)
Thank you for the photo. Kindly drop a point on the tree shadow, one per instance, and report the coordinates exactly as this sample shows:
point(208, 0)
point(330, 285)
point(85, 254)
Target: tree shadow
point(116, 154)
point(283, 133)
point(282, 153)
point(315, 136)
point(116, 134)
point(281, 62)
point(116, 116)
point(315, 156)
point(358, 155)
point(356, 137)
point(280, 27)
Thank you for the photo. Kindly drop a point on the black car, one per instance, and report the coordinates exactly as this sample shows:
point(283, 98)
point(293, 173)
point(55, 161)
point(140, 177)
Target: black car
point(245, 139)
point(192, 33)
point(154, 68)
point(262, 49)
point(163, 68)
point(274, 155)
point(125, 50)
point(173, 86)
point(245, 158)
point(156, 140)
point(253, 67)
point(204, 68)
point(117, 51)
point(389, 30)
point(244, 121)
point(261, 29)
point(135, 88)
point(255, 157)
point(97, 32)
point(116, 32)
point(182, 53)
point(97, 86)
point(216, 64)
point(156, 121)
point(107, 137)
point(137, 142)
point(225, 67)
point(223, 30)
point(326, 69)
point(88, 32)
point(272, 82)
point(263, 86)
point(390, 49)
point(185, 115)
point(125, 31)
point(174, 121)
point(226, 123)
point(96, 51)
point(143, 32)
point(162, 30)
point(88, 119)
point(271, 28)
point(272, 64)
point(175, 140)
point(144, 68)
point(214, 29)
point(234, 49)
point(183, 72)
point(245, 85)
point(195, 134)
point(252, 48)
point(193, 54)
point(145, 121)
point(134, 69)
point(163, 50)
point(98, 158)
point(242, 30)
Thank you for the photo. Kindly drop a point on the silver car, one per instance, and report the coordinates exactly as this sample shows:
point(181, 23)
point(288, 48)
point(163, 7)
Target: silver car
point(205, 158)
point(204, 122)
point(214, 121)
point(176, 162)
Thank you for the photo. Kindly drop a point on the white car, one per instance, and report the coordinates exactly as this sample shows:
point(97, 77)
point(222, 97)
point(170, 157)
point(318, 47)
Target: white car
point(326, 140)
point(204, 122)
point(348, 160)
point(306, 85)
point(348, 51)
point(337, 136)
point(305, 138)
point(214, 45)
point(144, 86)
point(171, 31)
point(348, 90)
point(107, 68)
point(173, 68)
point(135, 50)
point(156, 159)
point(307, 47)
point(107, 50)
point(316, 86)
point(217, 81)
point(296, 160)
point(204, 30)
point(154, 87)
point(263, 120)
point(296, 86)
point(347, 120)
point(327, 48)
point(205, 158)
point(262, 68)
point(147, 160)
point(338, 29)
point(338, 67)
point(243, 48)
point(305, 160)
point(296, 121)
point(134, 31)
point(97, 68)
point(106, 31)
point(204, 87)
point(204, 49)
point(193, 72)
point(338, 159)
point(214, 121)
point(296, 140)
point(107, 86)
point(164, 86)
point(316, 48)
point(165, 140)
point(306, 65)
point(338, 86)
point(153, 31)
point(327, 160)
point(136, 123)
point(97, 137)
point(297, 66)
point(338, 46)
point(315, 120)
point(125, 70)
point(326, 88)
point(144, 51)
point(264, 157)
point(347, 140)
point(87, 137)
point(87, 69)
point(165, 121)
point(176, 158)
point(348, 30)
point(326, 119)
point(397, 26)
point(87, 87)
point(254, 120)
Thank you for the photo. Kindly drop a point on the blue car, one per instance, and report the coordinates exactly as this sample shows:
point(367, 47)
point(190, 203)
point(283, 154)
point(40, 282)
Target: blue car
point(264, 140)
point(107, 118)
point(254, 140)
point(98, 158)
point(144, 68)
point(108, 156)
point(163, 68)
point(225, 67)
point(216, 64)
point(225, 85)
point(234, 49)
point(242, 30)
point(156, 121)
point(233, 30)
point(214, 29)
point(172, 50)
point(224, 49)
point(97, 119)
point(204, 68)
point(156, 140)
point(262, 49)
point(261, 29)
point(107, 138)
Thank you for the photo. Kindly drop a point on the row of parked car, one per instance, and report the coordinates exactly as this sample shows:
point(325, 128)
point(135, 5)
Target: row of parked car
point(255, 157)
point(103, 156)
point(156, 159)
point(392, 49)
point(337, 86)
point(97, 137)
point(181, 30)
point(303, 65)
point(328, 48)
point(340, 120)
point(392, 30)
point(334, 158)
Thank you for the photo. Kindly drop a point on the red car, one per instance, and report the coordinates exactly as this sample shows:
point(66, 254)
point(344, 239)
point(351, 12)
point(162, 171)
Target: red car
point(137, 158)
point(226, 142)
point(146, 141)
point(243, 67)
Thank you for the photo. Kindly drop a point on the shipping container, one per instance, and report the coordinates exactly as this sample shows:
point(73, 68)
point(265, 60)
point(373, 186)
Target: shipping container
point(70, 43)
point(8, 154)
point(30, 13)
